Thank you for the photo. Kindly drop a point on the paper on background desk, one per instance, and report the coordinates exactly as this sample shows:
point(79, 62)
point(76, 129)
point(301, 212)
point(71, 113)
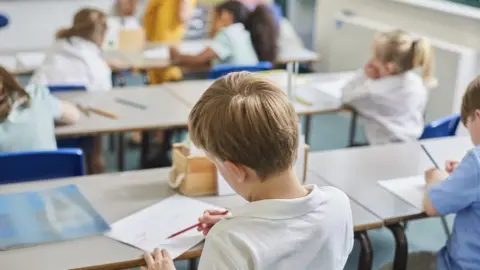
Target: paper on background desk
point(31, 59)
point(163, 52)
point(332, 87)
point(149, 228)
point(410, 189)
point(8, 62)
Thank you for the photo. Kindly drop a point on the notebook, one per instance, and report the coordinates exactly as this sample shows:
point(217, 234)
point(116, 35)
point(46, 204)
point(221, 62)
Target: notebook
point(410, 189)
point(149, 228)
point(51, 215)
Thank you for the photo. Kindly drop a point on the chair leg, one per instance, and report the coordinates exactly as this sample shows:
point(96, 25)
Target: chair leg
point(401, 249)
point(192, 264)
point(111, 142)
point(445, 226)
point(353, 129)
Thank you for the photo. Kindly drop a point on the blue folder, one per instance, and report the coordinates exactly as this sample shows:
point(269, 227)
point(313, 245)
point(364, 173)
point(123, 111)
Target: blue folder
point(57, 214)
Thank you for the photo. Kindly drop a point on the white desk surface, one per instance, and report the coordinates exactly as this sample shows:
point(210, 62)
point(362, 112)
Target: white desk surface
point(163, 111)
point(357, 170)
point(115, 196)
point(191, 91)
point(136, 59)
point(451, 148)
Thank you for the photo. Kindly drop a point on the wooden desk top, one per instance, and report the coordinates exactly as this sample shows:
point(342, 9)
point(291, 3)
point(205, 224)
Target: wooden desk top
point(163, 111)
point(357, 170)
point(191, 91)
point(116, 196)
point(451, 148)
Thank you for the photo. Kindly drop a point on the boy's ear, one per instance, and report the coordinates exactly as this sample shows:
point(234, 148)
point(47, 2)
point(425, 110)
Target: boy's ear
point(477, 114)
point(237, 170)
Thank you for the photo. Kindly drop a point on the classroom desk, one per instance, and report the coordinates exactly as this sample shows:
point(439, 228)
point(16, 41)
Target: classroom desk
point(116, 196)
point(321, 103)
point(451, 148)
point(163, 111)
point(357, 170)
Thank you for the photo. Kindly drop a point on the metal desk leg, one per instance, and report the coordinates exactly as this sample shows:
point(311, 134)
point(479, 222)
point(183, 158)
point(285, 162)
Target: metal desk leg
point(366, 252)
point(308, 120)
point(192, 264)
point(146, 80)
point(290, 70)
point(145, 148)
point(353, 129)
point(401, 249)
point(121, 152)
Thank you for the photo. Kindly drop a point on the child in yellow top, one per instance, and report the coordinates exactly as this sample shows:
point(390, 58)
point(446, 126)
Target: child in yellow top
point(165, 21)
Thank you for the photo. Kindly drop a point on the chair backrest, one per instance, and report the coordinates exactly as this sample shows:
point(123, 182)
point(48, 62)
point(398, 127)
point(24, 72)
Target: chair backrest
point(222, 70)
point(41, 165)
point(66, 88)
point(444, 127)
point(3, 20)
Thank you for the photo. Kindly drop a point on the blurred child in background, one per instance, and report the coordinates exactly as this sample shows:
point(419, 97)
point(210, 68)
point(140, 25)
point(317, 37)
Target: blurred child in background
point(27, 116)
point(242, 37)
point(123, 17)
point(76, 59)
point(388, 93)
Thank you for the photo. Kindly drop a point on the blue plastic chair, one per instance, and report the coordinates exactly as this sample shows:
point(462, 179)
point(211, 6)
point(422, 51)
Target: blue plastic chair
point(66, 88)
point(16, 167)
point(222, 70)
point(444, 127)
point(70, 142)
point(3, 20)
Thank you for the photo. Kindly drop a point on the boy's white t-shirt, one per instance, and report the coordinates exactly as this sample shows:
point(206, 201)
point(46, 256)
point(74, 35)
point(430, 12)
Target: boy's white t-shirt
point(74, 61)
point(313, 232)
point(393, 106)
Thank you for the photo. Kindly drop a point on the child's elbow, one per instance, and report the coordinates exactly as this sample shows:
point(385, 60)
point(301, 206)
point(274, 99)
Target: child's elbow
point(70, 114)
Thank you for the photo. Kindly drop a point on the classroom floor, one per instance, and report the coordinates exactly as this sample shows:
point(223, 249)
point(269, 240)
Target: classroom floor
point(330, 132)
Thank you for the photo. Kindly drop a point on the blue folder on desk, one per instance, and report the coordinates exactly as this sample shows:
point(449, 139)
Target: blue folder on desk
point(57, 214)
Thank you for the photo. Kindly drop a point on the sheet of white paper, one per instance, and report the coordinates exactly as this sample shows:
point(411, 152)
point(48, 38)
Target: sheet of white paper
point(8, 62)
point(332, 88)
point(150, 227)
point(410, 189)
point(192, 48)
point(31, 59)
point(300, 163)
point(157, 53)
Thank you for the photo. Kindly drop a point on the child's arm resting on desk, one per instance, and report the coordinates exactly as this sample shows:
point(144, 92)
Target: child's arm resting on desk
point(458, 191)
point(220, 48)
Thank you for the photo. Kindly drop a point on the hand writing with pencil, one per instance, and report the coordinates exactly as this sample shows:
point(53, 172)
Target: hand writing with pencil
point(160, 260)
point(209, 218)
point(451, 165)
point(435, 175)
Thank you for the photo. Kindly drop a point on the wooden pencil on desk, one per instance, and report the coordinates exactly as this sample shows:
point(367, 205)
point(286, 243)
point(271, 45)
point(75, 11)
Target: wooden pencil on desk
point(103, 113)
point(303, 101)
point(83, 110)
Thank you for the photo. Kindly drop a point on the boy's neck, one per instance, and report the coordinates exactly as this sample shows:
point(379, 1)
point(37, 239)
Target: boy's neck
point(280, 186)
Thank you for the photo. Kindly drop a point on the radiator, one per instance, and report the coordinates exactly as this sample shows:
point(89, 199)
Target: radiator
point(455, 65)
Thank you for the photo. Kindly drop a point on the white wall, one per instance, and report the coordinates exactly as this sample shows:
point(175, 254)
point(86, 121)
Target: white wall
point(33, 24)
point(449, 27)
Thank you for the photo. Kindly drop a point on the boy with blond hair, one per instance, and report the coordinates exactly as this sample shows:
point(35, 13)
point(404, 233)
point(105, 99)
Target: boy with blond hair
point(457, 191)
point(248, 127)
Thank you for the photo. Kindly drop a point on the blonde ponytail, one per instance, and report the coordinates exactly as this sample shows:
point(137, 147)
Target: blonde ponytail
point(424, 58)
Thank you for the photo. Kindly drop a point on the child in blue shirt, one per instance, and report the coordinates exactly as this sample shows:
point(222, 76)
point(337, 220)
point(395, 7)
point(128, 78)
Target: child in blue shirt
point(457, 191)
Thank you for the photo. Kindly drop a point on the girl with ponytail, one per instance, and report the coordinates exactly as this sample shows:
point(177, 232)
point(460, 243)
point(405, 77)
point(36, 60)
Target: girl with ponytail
point(388, 93)
point(75, 58)
point(242, 37)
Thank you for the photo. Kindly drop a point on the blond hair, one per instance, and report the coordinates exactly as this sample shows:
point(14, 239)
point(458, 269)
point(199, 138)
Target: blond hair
point(88, 23)
point(246, 120)
point(405, 52)
point(471, 100)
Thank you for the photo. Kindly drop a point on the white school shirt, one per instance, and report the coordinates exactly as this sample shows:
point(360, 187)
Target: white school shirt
point(74, 61)
point(392, 107)
point(313, 232)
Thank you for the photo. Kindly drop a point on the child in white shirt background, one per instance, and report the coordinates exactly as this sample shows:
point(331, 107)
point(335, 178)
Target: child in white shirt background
point(75, 58)
point(285, 225)
point(388, 93)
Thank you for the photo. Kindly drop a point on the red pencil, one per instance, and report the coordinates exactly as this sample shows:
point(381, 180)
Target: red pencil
point(192, 227)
